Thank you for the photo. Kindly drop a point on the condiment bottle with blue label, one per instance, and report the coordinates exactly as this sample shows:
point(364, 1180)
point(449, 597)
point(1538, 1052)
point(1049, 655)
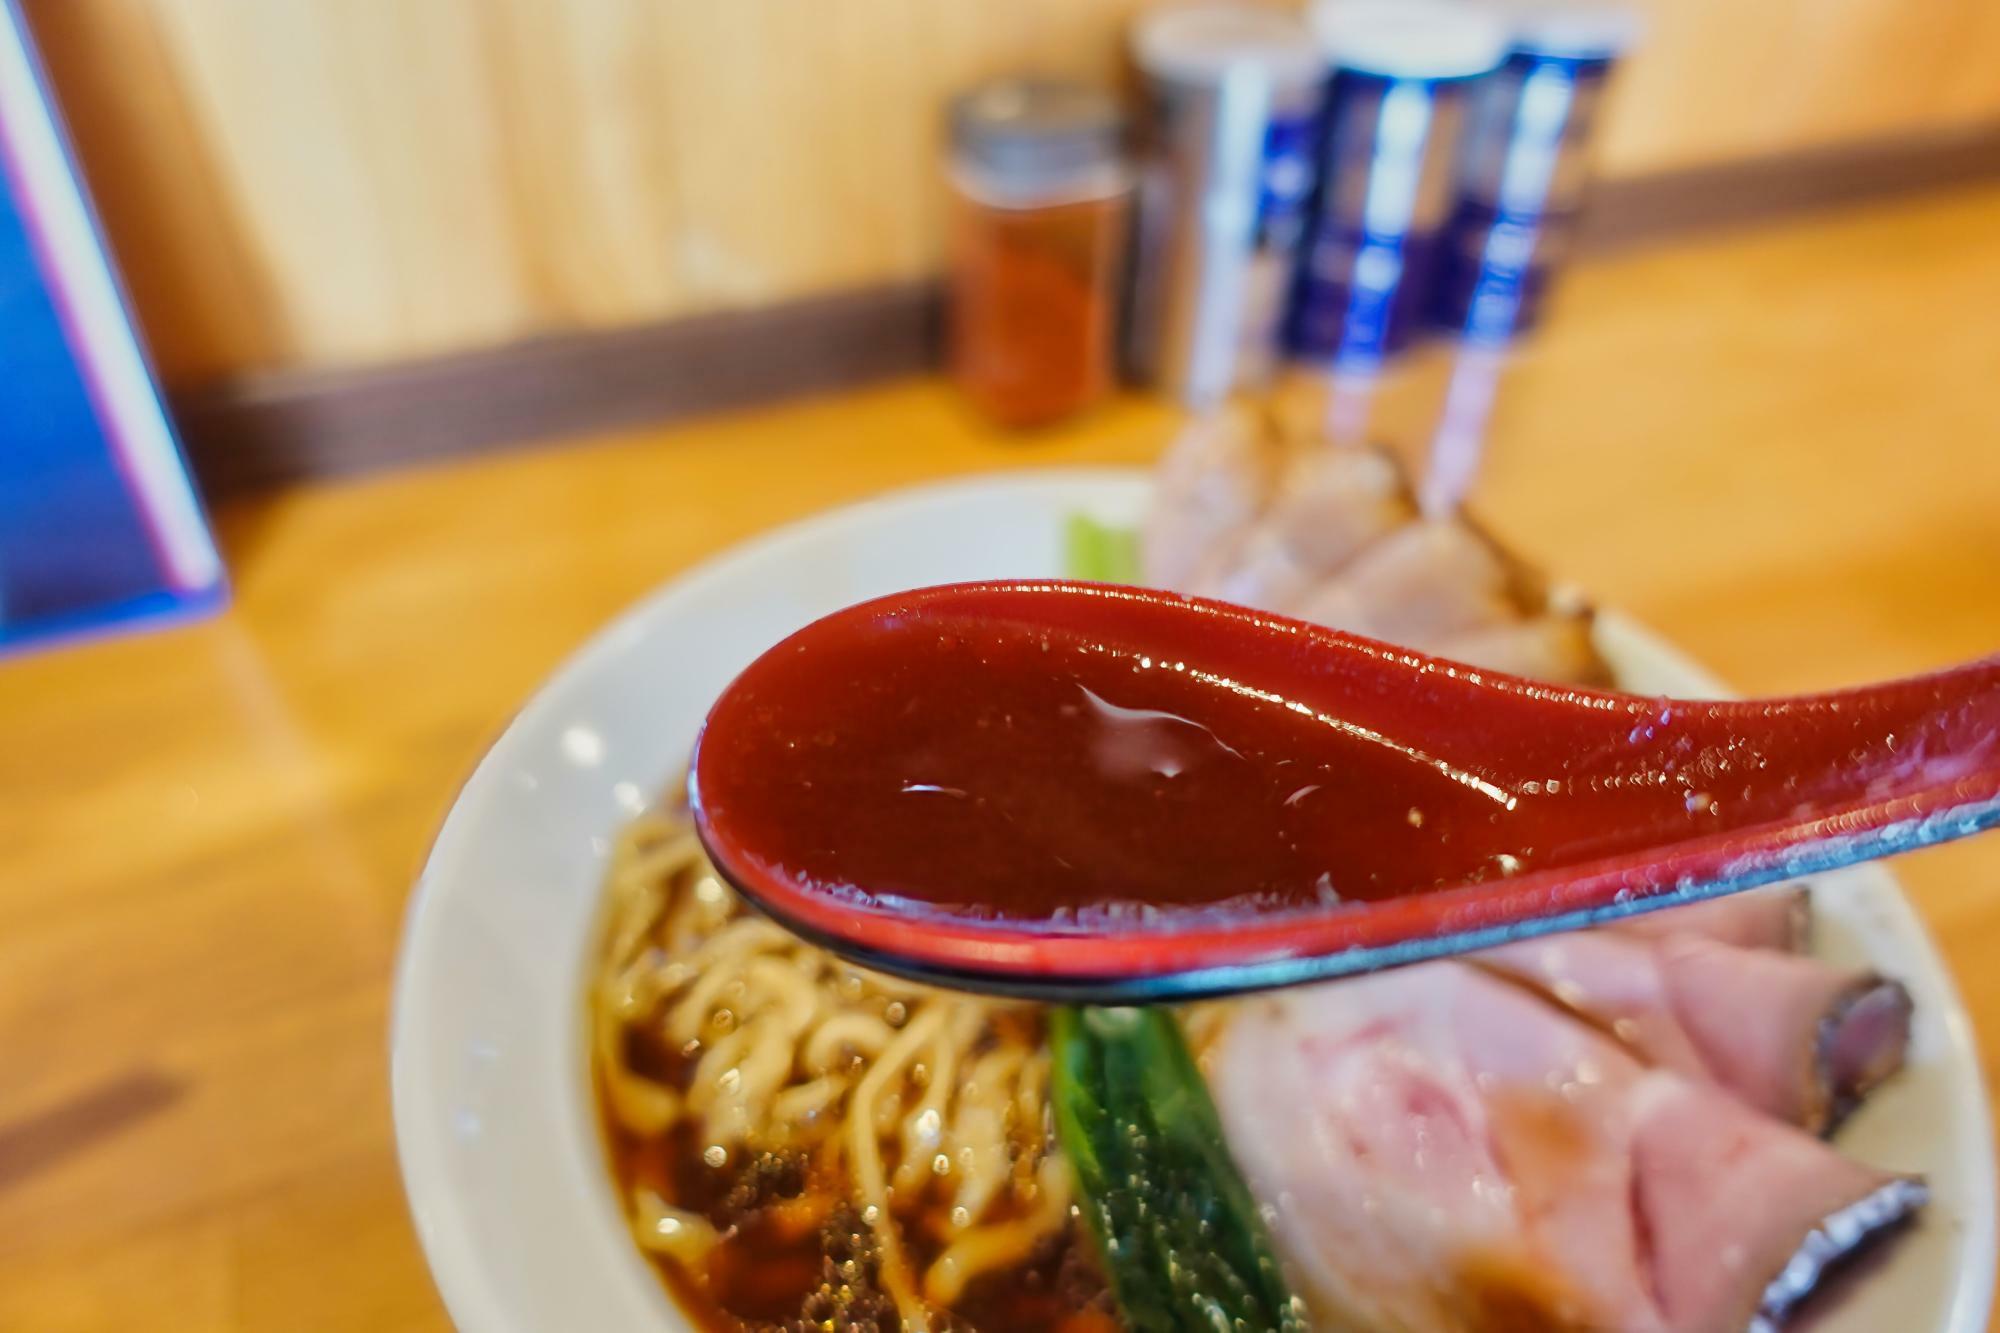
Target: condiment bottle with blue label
point(1525, 166)
point(1521, 181)
point(1233, 100)
point(1403, 71)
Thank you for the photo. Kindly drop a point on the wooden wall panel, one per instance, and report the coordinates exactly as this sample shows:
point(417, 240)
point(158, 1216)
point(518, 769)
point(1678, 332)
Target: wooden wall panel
point(586, 115)
point(1969, 85)
point(360, 141)
point(326, 182)
point(1721, 79)
point(187, 257)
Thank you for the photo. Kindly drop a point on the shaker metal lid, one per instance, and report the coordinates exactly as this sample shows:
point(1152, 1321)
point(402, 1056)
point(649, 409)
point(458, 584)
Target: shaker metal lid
point(1410, 39)
point(1032, 131)
point(1203, 43)
point(1572, 29)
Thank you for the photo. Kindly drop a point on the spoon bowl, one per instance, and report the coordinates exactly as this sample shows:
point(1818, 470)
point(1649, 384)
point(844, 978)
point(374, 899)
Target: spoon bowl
point(1109, 795)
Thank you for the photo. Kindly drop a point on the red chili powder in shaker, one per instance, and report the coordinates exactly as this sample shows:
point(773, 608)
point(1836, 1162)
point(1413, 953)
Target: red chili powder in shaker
point(1037, 242)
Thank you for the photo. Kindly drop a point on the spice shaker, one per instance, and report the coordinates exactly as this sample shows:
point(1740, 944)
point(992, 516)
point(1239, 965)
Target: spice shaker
point(1233, 99)
point(1525, 165)
point(1402, 71)
point(1040, 202)
point(1521, 180)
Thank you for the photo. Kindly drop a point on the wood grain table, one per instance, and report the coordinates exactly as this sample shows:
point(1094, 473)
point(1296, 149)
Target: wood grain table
point(1782, 449)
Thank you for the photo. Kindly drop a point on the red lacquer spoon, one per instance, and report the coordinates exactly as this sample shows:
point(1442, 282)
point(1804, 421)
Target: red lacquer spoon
point(1081, 792)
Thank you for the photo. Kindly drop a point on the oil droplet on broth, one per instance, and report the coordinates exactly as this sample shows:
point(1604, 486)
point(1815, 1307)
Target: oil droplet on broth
point(1134, 743)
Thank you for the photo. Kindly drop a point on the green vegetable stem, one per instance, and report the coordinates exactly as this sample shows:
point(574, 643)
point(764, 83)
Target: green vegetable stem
point(1181, 1238)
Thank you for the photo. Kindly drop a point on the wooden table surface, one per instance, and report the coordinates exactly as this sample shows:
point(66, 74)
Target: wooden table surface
point(1782, 449)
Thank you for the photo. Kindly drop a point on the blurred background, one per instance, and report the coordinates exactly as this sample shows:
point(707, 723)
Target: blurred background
point(360, 234)
point(315, 184)
point(475, 319)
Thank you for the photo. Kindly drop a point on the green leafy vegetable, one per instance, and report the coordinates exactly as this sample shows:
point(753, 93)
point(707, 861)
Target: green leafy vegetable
point(1101, 553)
point(1181, 1237)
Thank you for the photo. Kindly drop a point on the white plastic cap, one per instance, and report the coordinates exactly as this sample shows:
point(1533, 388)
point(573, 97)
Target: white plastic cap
point(1574, 29)
point(1203, 43)
point(1410, 39)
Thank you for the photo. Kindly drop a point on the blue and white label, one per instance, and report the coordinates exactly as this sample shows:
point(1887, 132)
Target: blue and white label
point(1384, 191)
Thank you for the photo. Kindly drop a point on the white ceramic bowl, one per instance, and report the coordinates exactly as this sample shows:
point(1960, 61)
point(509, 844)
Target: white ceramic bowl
point(501, 1159)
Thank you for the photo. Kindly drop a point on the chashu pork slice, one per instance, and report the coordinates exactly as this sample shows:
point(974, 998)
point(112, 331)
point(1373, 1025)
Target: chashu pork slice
point(1437, 1149)
point(1210, 486)
point(1420, 586)
point(1329, 505)
point(1794, 1036)
point(1775, 918)
point(1244, 513)
point(1553, 646)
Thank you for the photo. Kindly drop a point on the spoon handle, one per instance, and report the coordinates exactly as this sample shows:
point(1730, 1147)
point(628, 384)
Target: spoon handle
point(1278, 800)
point(1704, 799)
point(1869, 772)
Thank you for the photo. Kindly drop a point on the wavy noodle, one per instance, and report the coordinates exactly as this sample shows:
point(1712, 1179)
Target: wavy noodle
point(1004, 1244)
point(846, 1037)
point(901, 1093)
point(664, 1229)
point(864, 1146)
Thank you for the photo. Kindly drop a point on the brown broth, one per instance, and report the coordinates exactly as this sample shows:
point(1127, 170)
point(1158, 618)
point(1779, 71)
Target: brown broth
point(769, 1271)
point(978, 771)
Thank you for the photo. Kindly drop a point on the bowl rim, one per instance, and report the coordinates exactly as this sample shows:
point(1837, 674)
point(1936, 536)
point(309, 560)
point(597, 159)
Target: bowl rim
point(459, 1267)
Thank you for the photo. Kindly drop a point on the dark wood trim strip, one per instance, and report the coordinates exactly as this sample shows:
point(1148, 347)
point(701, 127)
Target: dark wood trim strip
point(280, 427)
point(273, 428)
point(1646, 209)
